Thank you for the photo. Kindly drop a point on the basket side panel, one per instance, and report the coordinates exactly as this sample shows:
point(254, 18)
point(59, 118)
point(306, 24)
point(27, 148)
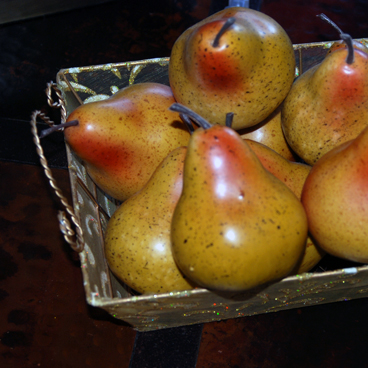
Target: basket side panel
point(85, 84)
point(199, 306)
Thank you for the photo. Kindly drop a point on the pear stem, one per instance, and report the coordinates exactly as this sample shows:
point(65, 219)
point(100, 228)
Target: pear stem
point(58, 127)
point(181, 109)
point(344, 36)
point(229, 22)
point(229, 119)
point(187, 122)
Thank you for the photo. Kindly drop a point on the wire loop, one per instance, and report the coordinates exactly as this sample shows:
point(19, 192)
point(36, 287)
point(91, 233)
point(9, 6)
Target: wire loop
point(74, 238)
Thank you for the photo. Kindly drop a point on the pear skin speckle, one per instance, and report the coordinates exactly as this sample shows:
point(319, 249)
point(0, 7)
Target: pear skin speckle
point(249, 73)
point(236, 226)
point(327, 105)
point(335, 199)
point(294, 175)
point(137, 240)
point(124, 138)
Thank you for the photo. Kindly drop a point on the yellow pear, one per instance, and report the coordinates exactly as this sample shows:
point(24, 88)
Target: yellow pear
point(236, 226)
point(237, 60)
point(137, 239)
point(293, 174)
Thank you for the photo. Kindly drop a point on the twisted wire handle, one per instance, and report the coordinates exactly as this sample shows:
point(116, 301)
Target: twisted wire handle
point(74, 238)
point(60, 104)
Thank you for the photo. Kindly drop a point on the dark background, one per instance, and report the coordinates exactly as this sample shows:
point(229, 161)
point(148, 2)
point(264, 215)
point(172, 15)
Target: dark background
point(44, 319)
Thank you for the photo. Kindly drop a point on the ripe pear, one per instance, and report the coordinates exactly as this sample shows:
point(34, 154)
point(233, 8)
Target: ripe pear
point(237, 60)
point(137, 239)
point(293, 174)
point(328, 104)
point(269, 133)
point(335, 197)
point(236, 226)
point(124, 138)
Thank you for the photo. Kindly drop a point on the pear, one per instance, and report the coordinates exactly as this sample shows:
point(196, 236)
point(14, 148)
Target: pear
point(124, 138)
point(335, 198)
point(293, 174)
point(137, 239)
point(237, 60)
point(269, 133)
point(236, 226)
point(328, 104)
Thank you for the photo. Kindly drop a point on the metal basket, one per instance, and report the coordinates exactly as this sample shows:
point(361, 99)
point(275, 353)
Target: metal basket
point(93, 208)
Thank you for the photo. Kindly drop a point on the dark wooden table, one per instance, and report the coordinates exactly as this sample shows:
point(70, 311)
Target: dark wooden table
point(45, 320)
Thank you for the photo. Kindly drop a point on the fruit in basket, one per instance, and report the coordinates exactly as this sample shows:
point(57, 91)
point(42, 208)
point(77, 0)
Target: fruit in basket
point(238, 60)
point(293, 174)
point(328, 104)
point(137, 239)
point(269, 133)
point(236, 226)
point(124, 138)
point(335, 197)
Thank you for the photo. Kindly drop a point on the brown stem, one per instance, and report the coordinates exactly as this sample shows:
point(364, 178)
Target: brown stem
point(229, 119)
point(181, 109)
point(330, 22)
point(58, 127)
point(187, 122)
point(349, 43)
point(229, 22)
point(344, 36)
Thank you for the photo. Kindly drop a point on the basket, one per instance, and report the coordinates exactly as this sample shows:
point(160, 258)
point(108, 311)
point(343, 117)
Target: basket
point(93, 208)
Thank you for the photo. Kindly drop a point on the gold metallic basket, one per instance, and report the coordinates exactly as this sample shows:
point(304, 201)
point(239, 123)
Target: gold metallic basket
point(92, 208)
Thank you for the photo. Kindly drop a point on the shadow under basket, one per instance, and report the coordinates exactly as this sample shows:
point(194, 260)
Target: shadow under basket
point(94, 208)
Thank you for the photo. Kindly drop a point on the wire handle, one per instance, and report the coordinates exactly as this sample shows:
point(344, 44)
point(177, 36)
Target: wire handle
point(74, 238)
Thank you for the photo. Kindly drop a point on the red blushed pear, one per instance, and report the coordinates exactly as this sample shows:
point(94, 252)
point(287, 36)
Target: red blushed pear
point(238, 60)
point(124, 138)
point(236, 226)
point(335, 198)
point(328, 104)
